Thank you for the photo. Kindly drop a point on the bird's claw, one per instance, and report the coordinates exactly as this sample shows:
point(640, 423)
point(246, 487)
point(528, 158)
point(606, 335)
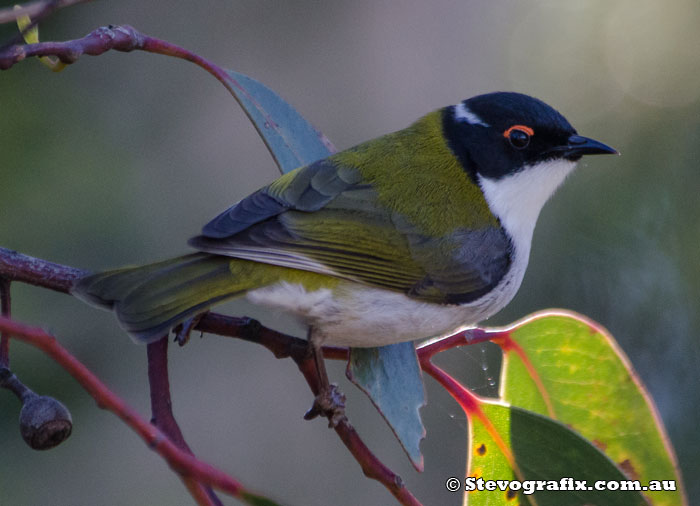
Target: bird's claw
point(330, 403)
point(183, 331)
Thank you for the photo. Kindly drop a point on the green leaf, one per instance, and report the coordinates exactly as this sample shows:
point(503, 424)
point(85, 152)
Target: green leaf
point(485, 459)
point(543, 449)
point(592, 388)
point(391, 376)
point(292, 141)
point(392, 379)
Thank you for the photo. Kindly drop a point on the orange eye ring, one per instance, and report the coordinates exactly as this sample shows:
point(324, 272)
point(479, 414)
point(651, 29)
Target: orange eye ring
point(529, 131)
point(519, 136)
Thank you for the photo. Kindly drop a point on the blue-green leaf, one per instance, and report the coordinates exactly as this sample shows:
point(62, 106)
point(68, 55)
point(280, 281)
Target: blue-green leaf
point(391, 377)
point(291, 139)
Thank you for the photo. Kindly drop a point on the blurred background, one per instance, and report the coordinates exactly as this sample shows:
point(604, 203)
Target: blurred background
point(120, 159)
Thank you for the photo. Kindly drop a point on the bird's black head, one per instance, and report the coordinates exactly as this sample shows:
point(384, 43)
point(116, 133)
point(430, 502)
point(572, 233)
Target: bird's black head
point(498, 134)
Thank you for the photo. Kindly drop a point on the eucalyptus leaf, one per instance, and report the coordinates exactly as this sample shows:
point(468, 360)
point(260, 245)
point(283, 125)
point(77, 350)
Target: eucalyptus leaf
point(292, 141)
point(543, 450)
point(391, 377)
point(591, 387)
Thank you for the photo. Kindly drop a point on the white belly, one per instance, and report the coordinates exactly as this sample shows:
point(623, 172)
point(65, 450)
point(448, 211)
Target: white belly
point(352, 314)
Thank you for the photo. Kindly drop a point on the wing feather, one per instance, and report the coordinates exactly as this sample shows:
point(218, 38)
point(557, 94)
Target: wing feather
point(324, 218)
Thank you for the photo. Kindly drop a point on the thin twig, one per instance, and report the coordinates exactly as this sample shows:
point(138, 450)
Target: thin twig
point(181, 461)
point(34, 271)
point(35, 9)
point(159, 384)
point(9, 381)
point(371, 466)
point(284, 346)
point(162, 414)
point(126, 38)
point(5, 305)
point(37, 12)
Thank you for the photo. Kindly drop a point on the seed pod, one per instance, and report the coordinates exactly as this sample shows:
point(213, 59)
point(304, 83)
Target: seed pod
point(44, 422)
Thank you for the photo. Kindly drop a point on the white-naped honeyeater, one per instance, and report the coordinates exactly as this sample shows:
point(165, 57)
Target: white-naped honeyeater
point(407, 236)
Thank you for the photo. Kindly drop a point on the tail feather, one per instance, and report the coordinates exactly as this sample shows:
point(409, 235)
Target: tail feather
point(151, 299)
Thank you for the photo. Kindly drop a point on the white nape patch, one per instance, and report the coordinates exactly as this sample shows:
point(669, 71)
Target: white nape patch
point(462, 113)
point(517, 199)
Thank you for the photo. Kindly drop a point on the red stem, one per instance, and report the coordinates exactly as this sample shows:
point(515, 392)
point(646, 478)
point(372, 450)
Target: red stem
point(471, 404)
point(461, 338)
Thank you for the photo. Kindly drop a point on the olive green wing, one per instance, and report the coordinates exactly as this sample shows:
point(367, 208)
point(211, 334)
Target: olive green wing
point(325, 218)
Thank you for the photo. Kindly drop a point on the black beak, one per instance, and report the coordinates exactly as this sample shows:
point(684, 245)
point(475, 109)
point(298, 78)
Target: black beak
point(578, 145)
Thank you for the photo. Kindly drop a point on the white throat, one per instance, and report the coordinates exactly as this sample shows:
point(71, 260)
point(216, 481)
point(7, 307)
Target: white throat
point(517, 199)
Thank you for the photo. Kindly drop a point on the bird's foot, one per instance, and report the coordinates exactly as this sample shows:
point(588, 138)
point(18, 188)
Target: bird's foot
point(183, 331)
point(330, 402)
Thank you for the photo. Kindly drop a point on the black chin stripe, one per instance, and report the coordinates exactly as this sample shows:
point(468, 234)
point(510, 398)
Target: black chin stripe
point(455, 132)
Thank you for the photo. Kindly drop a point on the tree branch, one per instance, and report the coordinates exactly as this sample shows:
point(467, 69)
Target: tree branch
point(181, 461)
point(162, 413)
point(126, 38)
point(159, 384)
point(19, 267)
point(37, 12)
point(36, 9)
point(122, 38)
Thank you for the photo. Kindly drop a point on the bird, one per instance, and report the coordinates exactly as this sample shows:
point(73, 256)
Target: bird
point(407, 236)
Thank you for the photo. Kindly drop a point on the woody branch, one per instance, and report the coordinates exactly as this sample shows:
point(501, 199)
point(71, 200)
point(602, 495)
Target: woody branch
point(15, 266)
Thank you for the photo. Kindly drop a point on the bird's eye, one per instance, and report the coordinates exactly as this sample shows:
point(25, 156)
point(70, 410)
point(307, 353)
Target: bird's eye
point(519, 136)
